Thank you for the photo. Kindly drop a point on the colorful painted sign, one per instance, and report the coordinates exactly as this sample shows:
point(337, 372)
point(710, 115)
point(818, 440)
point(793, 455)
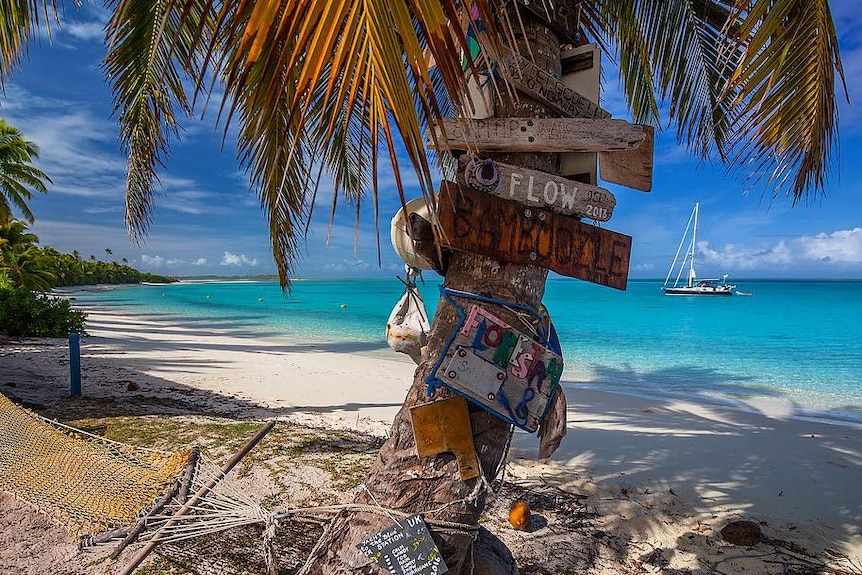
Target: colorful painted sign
point(405, 549)
point(510, 232)
point(500, 368)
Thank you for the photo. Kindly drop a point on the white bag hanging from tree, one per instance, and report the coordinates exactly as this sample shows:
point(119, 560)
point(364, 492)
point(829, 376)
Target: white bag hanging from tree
point(407, 327)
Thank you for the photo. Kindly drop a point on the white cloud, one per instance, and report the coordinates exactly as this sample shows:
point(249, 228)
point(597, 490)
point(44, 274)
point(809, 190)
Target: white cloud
point(230, 259)
point(85, 30)
point(155, 261)
point(175, 262)
point(842, 246)
point(350, 266)
point(200, 262)
point(736, 257)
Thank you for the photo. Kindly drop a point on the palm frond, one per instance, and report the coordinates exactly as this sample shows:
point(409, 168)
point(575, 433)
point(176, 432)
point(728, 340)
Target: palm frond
point(151, 50)
point(783, 95)
point(326, 82)
point(19, 20)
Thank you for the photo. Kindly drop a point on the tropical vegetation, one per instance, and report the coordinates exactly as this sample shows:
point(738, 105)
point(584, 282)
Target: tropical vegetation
point(18, 176)
point(326, 86)
point(28, 271)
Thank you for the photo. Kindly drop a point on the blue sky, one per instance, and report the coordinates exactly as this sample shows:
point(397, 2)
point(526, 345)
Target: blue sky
point(208, 222)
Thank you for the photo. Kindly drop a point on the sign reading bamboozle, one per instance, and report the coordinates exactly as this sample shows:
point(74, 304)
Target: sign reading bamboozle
point(508, 373)
point(481, 223)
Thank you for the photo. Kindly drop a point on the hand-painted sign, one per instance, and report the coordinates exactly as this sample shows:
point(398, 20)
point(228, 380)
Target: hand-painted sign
point(485, 224)
point(501, 369)
point(539, 135)
point(405, 549)
point(551, 91)
point(444, 426)
point(535, 188)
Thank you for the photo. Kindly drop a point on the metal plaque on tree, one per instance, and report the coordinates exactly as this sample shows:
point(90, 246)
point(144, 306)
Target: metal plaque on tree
point(481, 223)
point(500, 368)
point(444, 426)
point(405, 549)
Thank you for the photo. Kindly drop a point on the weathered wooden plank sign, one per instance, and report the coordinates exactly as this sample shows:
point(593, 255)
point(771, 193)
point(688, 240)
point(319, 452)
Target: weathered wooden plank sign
point(477, 222)
point(540, 135)
point(444, 426)
point(503, 370)
point(561, 16)
point(581, 71)
point(405, 549)
point(632, 168)
point(551, 91)
point(542, 190)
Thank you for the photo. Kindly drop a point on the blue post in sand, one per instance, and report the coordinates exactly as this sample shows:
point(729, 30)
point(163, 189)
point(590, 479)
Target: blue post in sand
point(75, 363)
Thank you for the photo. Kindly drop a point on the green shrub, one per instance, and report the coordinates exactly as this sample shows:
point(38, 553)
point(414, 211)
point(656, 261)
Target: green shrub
point(24, 313)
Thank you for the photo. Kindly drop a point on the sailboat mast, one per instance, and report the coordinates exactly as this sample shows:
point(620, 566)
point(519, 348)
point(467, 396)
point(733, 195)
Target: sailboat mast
point(691, 273)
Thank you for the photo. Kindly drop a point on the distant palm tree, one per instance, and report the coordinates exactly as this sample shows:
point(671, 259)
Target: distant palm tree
point(326, 86)
point(108, 253)
point(17, 174)
point(15, 237)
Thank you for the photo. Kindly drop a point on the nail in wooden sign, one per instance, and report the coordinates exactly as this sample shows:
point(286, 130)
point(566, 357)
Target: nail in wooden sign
point(539, 135)
point(485, 224)
point(551, 91)
point(501, 369)
point(538, 189)
point(444, 427)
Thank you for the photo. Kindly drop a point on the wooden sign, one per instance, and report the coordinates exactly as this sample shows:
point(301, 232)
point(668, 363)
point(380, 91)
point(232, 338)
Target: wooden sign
point(477, 222)
point(551, 91)
point(540, 135)
point(581, 71)
point(444, 427)
point(561, 16)
point(405, 549)
point(535, 188)
point(633, 168)
point(501, 369)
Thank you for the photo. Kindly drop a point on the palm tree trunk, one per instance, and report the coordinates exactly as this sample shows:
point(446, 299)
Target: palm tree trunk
point(399, 479)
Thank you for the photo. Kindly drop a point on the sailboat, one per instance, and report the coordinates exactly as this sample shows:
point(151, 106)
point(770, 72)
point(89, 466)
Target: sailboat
point(693, 286)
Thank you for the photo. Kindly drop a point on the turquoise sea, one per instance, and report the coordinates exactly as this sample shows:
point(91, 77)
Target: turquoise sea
point(795, 342)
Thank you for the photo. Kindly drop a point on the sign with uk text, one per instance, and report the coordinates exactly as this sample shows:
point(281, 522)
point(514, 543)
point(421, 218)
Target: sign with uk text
point(500, 368)
point(510, 232)
point(405, 549)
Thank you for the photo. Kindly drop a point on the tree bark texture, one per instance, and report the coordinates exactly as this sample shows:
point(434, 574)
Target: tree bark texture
point(432, 486)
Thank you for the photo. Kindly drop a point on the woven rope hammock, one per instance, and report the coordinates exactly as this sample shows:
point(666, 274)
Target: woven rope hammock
point(84, 482)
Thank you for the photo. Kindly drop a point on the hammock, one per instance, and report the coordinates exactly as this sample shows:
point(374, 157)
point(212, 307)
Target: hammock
point(87, 483)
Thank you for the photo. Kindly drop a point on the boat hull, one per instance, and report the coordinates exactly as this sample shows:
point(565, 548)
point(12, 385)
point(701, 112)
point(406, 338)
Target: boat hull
point(708, 291)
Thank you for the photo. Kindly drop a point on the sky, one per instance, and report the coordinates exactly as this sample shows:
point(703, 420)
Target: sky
point(208, 222)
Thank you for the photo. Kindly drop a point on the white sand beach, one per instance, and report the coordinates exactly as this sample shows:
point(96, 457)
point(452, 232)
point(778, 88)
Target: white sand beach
point(665, 474)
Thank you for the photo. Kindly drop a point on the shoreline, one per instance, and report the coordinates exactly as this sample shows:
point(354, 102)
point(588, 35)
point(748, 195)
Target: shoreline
point(753, 401)
point(687, 463)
